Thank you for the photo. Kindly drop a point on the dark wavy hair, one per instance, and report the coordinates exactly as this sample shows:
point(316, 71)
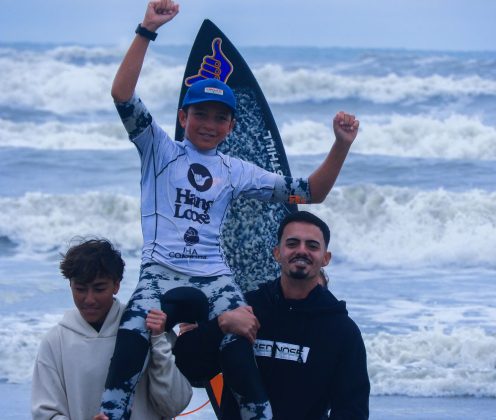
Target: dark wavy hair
point(92, 258)
point(306, 217)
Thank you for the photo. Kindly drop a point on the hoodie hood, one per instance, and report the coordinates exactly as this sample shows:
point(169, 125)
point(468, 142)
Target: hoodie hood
point(319, 300)
point(73, 321)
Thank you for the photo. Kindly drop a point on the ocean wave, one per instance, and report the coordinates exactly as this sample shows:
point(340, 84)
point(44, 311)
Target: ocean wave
point(79, 54)
point(455, 137)
point(74, 79)
point(404, 227)
point(423, 136)
point(429, 362)
point(45, 223)
point(49, 82)
point(301, 85)
point(39, 82)
point(56, 135)
point(372, 225)
point(20, 337)
point(433, 363)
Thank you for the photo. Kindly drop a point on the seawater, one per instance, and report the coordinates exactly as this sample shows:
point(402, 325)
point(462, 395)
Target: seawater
point(413, 214)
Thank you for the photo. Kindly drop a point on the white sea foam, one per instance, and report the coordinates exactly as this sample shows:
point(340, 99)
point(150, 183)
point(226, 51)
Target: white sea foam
point(20, 336)
point(42, 223)
point(58, 135)
point(78, 53)
point(398, 314)
point(41, 83)
point(433, 362)
point(384, 226)
point(77, 80)
point(50, 82)
point(428, 362)
point(404, 227)
point(283, 86)
point(454, 137)
point(55, 135)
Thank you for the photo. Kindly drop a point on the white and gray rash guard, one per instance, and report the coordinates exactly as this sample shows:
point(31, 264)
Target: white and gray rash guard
point(185, 194)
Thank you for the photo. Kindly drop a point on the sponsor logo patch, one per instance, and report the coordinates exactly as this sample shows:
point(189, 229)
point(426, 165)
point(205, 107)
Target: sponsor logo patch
point(279, 350)
point(191, 237)
point(214, 91)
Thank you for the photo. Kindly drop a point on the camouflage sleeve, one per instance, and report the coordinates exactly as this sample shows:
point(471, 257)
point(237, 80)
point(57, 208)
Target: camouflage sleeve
point(292, 190)
point(134, 116)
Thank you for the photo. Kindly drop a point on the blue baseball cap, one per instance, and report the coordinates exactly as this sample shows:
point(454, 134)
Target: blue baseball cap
point(208, 90)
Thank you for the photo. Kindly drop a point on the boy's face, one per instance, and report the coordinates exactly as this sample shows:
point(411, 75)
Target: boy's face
point(94, 299)
point(207, 124)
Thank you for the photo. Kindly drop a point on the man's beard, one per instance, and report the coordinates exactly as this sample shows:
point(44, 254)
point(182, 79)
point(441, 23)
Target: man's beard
point(300, 274)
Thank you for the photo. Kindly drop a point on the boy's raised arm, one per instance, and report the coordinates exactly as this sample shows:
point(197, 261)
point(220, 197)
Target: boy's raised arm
point(323, 178)
point(126, 78)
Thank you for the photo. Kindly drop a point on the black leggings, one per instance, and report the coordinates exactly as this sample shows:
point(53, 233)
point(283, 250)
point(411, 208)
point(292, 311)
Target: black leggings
point(236, 358)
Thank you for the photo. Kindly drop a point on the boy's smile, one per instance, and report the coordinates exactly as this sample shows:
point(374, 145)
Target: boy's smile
point(206, 124)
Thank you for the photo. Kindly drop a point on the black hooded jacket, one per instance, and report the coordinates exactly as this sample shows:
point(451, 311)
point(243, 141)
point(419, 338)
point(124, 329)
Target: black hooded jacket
point(310, 354)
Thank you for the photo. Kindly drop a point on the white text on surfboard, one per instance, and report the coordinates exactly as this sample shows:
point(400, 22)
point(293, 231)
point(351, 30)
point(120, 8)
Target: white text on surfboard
point(270, 147)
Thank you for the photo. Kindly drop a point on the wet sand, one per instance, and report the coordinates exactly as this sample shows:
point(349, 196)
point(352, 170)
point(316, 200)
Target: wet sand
point(15, 402)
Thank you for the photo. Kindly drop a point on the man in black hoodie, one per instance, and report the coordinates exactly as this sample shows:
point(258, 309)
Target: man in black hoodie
point(309, 351)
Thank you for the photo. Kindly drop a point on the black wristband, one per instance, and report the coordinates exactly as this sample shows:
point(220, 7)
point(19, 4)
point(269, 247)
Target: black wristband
point(145, 33)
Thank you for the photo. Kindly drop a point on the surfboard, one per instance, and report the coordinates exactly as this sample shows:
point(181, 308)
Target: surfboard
point(250, 229)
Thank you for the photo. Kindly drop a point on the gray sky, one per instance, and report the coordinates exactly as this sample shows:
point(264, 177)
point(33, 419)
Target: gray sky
point(413, 24)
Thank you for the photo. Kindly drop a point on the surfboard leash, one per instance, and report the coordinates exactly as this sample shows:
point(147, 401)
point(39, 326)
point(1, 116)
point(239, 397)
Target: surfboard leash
point(193, 411)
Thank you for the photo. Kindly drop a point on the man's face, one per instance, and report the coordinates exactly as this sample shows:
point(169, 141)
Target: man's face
point(94, 299)
point(302, 251)
point(206, 124)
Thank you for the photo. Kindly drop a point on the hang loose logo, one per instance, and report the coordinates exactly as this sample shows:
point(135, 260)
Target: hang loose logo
point(199, 177)
point(215, 66)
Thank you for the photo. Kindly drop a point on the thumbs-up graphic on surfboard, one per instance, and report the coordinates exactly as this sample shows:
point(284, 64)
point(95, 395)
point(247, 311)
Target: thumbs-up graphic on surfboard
point(215, 66)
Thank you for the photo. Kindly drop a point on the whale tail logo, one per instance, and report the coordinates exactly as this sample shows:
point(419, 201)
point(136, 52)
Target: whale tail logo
point(214, 66)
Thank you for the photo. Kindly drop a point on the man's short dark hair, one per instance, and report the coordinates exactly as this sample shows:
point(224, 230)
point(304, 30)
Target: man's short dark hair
point(91, 259)
point(306, 217)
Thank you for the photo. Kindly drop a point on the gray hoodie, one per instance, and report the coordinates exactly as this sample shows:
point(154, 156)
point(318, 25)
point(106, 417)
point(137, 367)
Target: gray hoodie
point(71, 367)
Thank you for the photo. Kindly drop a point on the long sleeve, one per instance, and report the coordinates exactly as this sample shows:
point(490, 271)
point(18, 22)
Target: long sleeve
point(48, 397)
point(197, 352)
point(169, 391)
point(351, 390)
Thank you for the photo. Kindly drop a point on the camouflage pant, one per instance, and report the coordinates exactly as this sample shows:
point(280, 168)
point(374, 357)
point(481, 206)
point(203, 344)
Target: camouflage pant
point(131, 349)
point(222, 292)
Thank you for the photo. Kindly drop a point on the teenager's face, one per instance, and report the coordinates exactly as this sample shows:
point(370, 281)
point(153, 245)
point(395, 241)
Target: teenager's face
point(302, 251)
point(206, 124)
point(94, 299)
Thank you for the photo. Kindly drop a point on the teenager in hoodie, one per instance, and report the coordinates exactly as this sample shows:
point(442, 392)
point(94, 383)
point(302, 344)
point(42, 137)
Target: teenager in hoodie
point(73, 358)
point(309, 351)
